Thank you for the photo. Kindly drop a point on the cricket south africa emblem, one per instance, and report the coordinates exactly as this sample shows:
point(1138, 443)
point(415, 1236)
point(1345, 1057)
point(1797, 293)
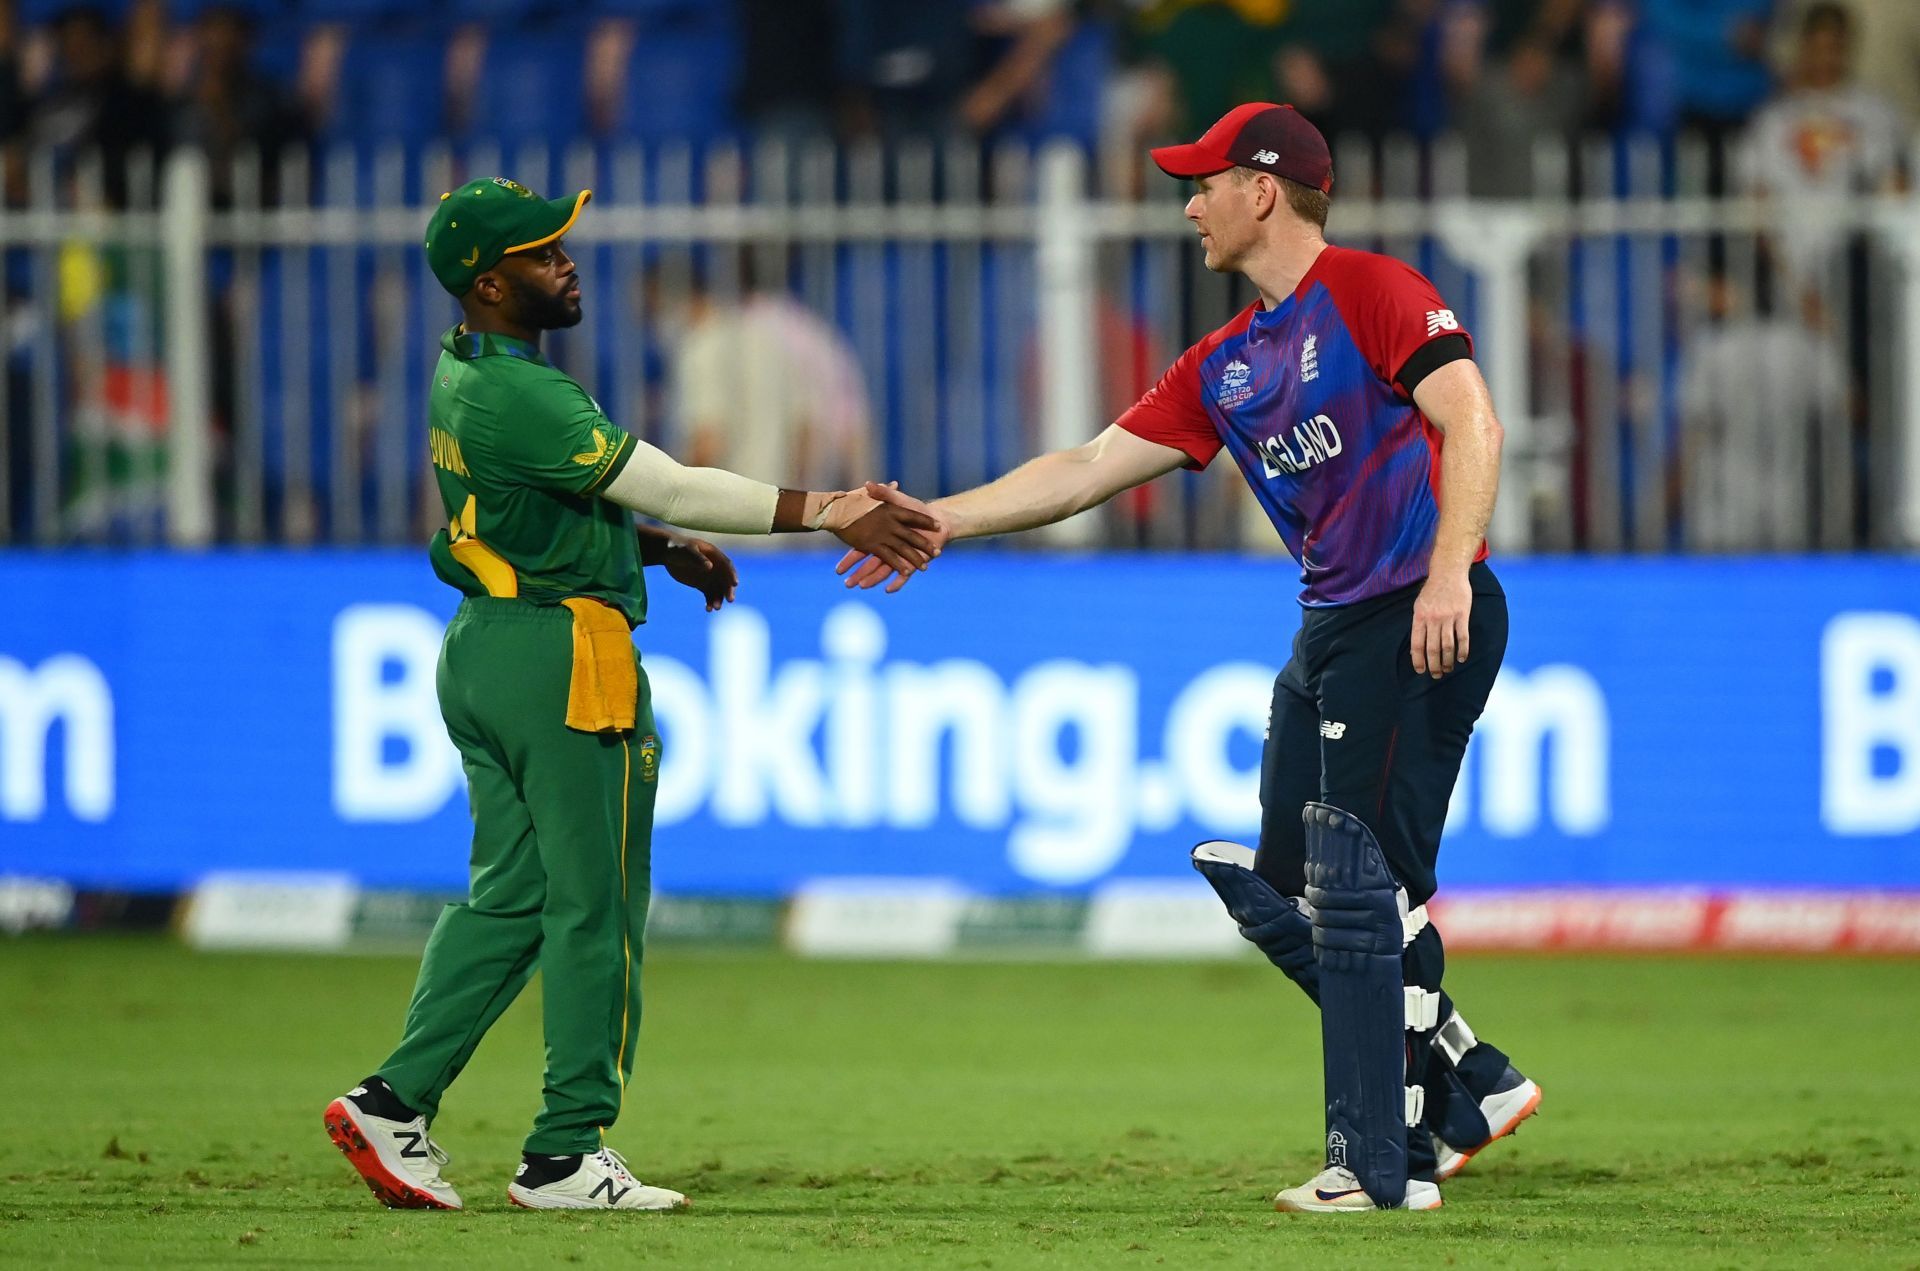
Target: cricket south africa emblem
point(649, 757)
point(1236, 384)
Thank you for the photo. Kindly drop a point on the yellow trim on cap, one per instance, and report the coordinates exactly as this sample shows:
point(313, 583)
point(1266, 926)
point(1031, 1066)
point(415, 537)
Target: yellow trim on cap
point(578, 203)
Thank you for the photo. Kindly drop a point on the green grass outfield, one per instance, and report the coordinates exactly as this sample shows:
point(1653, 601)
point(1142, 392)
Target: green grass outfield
point(163, 1107)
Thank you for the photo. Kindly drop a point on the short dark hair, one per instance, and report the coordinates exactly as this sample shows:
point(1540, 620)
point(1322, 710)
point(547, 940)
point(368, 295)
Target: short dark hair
point(1307, 203)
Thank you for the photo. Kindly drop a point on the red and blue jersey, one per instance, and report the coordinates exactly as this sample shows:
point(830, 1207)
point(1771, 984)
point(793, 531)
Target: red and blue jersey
point(1309, 399)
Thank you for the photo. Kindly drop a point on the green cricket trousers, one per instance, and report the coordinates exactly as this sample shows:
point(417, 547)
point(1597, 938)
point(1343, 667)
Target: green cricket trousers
point(562, 823)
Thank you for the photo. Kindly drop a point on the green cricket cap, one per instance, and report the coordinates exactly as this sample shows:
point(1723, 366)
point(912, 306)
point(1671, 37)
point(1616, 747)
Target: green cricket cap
point(483, 220)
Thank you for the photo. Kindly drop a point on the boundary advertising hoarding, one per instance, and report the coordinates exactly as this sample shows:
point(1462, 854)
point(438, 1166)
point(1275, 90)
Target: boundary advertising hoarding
point(1009, 724)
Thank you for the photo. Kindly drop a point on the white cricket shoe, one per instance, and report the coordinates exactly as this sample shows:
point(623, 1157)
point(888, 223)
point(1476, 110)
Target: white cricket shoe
point(1505, 1110)
point(601, 1182)
point(1335, 1190)
point(400, 1163)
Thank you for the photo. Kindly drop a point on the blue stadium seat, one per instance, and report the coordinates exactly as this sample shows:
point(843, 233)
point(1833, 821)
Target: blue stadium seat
point(391, 89)
point(359, 12)
point(31, 13)
point(679, 86)
point(499, 13)
point(276, 51)
point(654, 10)
point(531, 89)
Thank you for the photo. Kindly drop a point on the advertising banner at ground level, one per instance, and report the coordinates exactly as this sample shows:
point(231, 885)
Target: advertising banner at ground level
point(1009, 724)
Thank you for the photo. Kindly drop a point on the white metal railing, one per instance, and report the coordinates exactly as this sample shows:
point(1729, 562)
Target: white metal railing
point(997, 304)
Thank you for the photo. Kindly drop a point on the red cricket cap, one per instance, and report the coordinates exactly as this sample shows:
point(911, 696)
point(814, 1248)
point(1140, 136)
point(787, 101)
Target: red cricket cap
point(1258, 135)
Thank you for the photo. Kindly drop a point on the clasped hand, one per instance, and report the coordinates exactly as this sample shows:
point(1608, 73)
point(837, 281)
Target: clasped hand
point(889, 534)
point(929, 530)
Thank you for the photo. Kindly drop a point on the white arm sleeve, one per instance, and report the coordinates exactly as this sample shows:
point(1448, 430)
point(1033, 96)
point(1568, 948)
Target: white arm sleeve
point(713, 499)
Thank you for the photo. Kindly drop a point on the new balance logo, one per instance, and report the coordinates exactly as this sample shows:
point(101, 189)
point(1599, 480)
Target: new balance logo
point(613, 1194)
point(411, 1143)
point(1439, 320)
point(1310, 359)
point(1332, 730)
point(1265, 156)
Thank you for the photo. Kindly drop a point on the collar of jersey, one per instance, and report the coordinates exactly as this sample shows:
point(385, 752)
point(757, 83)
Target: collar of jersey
point(1263, 317)
point(469, 345)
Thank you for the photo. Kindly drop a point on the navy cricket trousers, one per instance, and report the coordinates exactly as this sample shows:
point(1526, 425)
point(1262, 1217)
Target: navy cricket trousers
point(1353, 725)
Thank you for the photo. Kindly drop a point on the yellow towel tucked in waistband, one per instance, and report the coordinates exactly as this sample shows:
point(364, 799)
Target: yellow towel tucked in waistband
point(604, 692)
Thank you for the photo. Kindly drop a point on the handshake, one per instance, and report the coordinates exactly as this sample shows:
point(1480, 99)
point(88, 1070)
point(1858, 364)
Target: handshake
point(889, 534)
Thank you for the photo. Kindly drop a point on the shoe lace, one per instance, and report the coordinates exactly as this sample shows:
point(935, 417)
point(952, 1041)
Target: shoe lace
point(617, 1165)
point(437, 1154)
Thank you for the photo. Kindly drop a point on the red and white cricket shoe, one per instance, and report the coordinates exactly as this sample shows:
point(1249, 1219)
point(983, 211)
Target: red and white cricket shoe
point(400, 1163)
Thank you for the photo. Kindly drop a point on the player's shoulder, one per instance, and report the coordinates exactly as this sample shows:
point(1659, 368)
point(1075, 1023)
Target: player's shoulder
point(531, 385)
point(1234, 326)
point(1348, 269)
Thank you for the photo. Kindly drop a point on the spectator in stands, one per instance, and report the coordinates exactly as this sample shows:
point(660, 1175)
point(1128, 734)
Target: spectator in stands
point(789, 85)
point(99, 98)
point(229, 109)
point(906, 65)
point(1717, 51)
point(1822, 140)
point(1605, 56)
point(19, 316)
point(1350, 67)
point(1886, 46)
point(1502, 112)
point(1022, 37)
point(1215, 53)
point(13, 97)
point(1826, 136)
point(910, 68)
point(1757, 390)
point(763, 385)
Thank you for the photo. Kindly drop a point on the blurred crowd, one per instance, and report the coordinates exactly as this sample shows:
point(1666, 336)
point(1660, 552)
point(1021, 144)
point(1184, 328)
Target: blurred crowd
point(1827, 91)
point(1799, 102)
point(232, 74)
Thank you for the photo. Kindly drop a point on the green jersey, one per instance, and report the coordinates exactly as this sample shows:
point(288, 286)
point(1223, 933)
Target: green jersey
point(519, 450)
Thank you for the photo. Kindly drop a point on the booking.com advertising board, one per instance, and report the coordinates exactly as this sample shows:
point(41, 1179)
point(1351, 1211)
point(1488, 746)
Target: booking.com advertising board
point(1011, 723)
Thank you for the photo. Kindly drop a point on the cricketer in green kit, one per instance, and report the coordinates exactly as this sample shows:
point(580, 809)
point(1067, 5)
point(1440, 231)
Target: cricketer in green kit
point(543, 693)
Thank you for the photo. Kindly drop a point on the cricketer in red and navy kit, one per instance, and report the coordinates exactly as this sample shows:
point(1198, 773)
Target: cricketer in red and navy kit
point(1316, 392)
point(1313, 397)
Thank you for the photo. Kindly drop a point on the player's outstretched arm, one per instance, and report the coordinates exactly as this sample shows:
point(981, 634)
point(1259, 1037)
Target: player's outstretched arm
point(1039, 492)
point(1455, 400)
point(713, 499)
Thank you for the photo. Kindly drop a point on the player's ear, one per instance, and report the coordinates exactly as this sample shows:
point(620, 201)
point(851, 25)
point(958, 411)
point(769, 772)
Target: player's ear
point(1266, 195)
point(489, 288)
